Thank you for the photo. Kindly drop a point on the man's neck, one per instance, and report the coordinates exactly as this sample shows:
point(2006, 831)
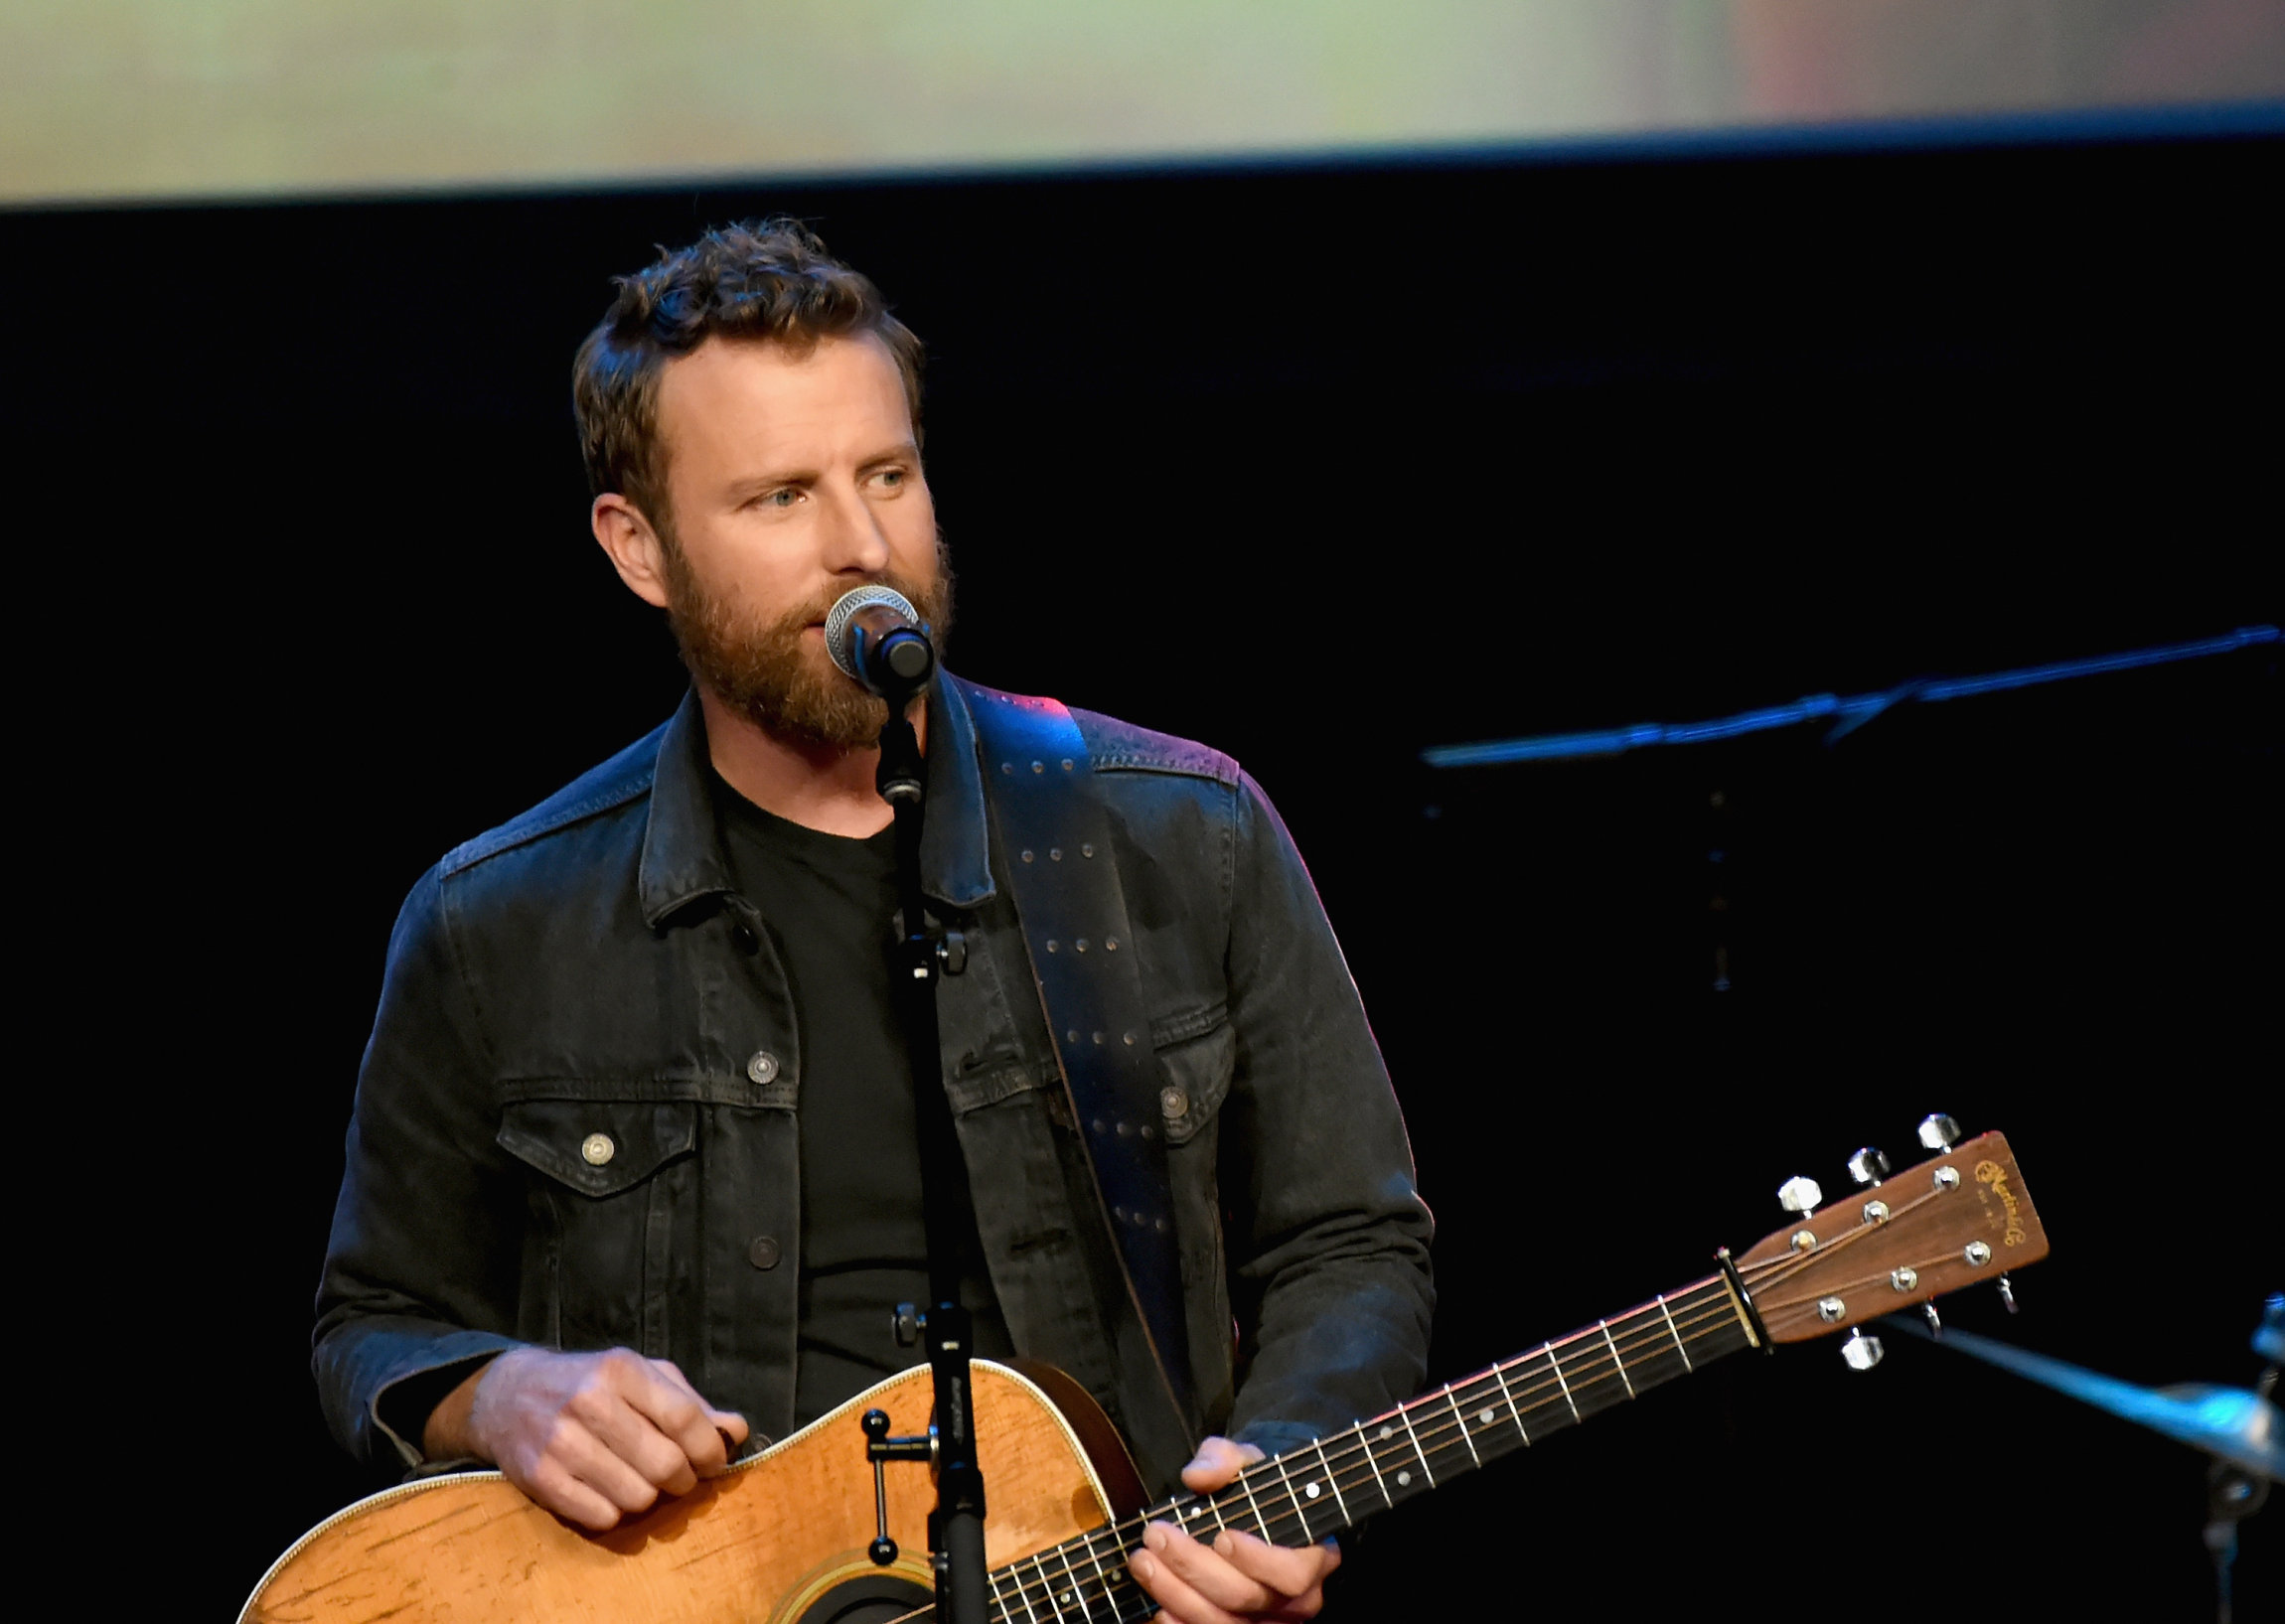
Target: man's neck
point(828, 789)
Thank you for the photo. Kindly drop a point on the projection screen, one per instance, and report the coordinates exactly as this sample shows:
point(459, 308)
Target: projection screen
point(123, 99)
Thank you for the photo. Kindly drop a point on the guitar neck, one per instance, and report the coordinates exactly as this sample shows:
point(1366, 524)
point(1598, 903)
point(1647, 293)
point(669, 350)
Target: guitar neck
point(1306, 1494)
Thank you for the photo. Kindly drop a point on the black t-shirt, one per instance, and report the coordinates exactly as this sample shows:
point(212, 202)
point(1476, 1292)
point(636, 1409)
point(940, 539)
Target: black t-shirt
point(830, 903)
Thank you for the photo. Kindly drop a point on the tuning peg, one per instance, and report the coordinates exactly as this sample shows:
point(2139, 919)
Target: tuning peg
point(1799, 1195)
point(1940, 1132)
point(1868, 1167)
point(1935, 1320)
point(2006, 1294)
point(1861, 1352)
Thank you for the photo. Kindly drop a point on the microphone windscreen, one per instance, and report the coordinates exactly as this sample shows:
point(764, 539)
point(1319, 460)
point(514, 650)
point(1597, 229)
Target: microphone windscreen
point(840, 621)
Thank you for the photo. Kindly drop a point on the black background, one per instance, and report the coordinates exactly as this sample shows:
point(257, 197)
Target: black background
point(1323, 465)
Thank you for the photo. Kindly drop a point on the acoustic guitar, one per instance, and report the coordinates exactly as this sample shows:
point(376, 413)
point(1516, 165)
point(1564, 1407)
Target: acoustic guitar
point(783, 1538)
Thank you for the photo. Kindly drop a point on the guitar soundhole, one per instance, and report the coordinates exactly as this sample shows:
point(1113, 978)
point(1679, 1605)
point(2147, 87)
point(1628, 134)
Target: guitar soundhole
point(876, 1598)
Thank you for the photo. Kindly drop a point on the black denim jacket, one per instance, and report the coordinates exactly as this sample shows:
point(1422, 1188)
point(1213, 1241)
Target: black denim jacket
point(576, 1119)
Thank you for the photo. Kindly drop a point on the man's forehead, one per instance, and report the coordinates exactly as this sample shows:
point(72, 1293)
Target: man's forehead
point(732, 400)
point(766, 365)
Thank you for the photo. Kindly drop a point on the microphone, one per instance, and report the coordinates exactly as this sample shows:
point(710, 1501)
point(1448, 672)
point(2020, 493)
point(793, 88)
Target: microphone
point(875, 635)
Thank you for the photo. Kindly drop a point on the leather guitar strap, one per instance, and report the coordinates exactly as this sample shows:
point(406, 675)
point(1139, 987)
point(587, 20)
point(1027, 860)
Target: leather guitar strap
point(1064, 881)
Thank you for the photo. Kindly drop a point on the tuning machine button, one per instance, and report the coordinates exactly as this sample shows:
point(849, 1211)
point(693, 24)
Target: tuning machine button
point(1935, 1320)
point(1861, 1352)
point(1868, 1167)
point(1799, 1195)
point(2006, 1294)
point(1938, 1131)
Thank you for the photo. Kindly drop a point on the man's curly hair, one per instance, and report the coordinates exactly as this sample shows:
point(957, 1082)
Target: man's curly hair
point(767, 279)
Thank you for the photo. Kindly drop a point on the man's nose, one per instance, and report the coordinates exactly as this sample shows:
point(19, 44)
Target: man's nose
point(853, 540)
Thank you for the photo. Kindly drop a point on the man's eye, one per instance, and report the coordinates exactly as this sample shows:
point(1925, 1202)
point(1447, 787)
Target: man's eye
point(890, 477)
point(781, 498)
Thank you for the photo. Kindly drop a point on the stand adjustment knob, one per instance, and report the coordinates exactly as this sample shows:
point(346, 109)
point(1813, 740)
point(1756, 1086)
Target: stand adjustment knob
point(1868, 1167)
point(1938, 1131)
point(908, 1322)
point(1799, 1195)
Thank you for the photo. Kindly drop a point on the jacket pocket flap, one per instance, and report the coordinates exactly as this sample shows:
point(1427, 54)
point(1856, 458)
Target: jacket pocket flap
point(1196, 1076)
point(598, 1147)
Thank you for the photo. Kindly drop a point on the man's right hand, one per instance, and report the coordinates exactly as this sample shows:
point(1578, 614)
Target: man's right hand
point(591, 1436)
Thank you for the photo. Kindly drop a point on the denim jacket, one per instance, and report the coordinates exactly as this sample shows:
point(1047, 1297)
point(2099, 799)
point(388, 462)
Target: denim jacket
point(575, 1121)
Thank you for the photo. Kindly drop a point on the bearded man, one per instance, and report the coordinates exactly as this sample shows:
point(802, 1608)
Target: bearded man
point(633, 1179)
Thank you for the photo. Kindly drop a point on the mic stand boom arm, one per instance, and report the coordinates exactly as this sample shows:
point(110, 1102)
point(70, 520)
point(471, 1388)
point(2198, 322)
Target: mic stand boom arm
point(956, 1527)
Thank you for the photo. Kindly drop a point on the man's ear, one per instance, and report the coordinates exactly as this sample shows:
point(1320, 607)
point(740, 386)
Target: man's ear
point(636, 550)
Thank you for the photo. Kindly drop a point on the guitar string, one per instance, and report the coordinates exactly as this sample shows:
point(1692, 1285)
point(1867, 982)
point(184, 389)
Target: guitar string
point(1786, 1268)
point(1703, 1309)
point(1434, 1437)
point(1714, 1309)
point(1343, 1455)
point(1791, 1304)
point(1439, 1436)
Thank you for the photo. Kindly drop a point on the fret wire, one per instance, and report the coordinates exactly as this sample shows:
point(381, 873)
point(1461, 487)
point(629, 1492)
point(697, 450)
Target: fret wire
point(1332, 1481)
point(1046, 1583)
point(1261, 1523)
point(1493, 1393)
point(1617, 1362)
point(1555, 1365)
point(1404, 1413)
point(1022, 1592)
point(1676, 1335)
point(1095, 1561)
point(1372, 1459)
point(1293, 1495)
point(1462, 1420)
point(1078, 1589)
point(1514, 1414)
point(998, 1602)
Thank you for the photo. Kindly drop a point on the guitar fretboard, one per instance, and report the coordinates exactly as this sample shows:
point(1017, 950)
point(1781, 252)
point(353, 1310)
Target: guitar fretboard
point(1303, 1495)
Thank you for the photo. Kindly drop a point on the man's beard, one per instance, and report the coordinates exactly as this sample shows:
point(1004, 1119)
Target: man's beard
point(762, 671)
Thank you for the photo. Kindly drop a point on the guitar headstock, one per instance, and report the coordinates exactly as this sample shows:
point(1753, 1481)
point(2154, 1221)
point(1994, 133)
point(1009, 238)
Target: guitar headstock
point(1960, 1216)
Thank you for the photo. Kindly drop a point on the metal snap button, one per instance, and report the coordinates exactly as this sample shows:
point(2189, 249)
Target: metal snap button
point(1173, 1102)
point(597, 1148)
point(763, 1067)
point(764, 1253)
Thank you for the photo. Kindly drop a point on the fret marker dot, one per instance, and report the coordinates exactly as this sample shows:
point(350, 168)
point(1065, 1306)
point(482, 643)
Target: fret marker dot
point(1402, 1478)
point(1312, 1491)
point(1387, 1431)
point(1484, 1416)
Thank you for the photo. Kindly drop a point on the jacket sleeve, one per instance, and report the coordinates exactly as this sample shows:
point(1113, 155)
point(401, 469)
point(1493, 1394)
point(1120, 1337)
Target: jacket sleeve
point(1328, 1238)
point(420, 1282)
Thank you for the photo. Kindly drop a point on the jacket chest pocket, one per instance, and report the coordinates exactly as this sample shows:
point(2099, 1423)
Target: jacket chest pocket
point(1194, 1075)
point(611, 1183)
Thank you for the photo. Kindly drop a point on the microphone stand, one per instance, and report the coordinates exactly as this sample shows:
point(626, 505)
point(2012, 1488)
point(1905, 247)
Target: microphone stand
point(956, 1527)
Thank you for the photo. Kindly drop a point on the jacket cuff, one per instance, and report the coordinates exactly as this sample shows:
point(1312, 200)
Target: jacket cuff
point(1274, 1437)
point(375, 1360)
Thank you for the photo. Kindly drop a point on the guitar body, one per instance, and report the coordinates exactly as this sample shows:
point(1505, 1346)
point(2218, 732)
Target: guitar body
point(777, 1539)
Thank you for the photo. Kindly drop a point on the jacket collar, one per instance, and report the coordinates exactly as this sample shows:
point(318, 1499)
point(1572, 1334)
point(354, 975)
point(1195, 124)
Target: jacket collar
point(683, 858)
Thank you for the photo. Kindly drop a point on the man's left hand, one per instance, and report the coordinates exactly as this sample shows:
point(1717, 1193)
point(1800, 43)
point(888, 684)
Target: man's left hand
point(1238, 1577)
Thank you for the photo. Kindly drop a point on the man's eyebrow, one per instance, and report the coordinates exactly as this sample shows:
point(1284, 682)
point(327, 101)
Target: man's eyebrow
point(753, 485)
point(903, 451)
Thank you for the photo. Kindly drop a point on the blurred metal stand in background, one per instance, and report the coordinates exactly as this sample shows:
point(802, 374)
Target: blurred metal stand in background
point(2239, 1429)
